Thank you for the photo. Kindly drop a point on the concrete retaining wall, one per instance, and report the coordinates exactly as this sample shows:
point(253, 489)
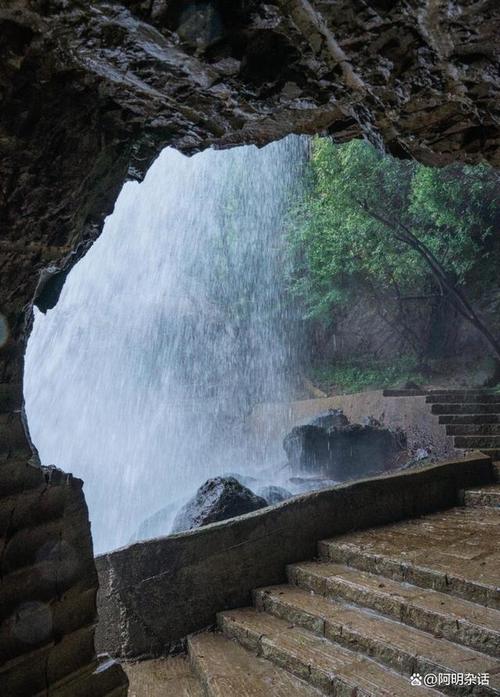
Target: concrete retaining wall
point(154, 593)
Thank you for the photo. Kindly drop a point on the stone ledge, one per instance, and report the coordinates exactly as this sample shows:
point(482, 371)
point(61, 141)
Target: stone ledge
point(152, 594)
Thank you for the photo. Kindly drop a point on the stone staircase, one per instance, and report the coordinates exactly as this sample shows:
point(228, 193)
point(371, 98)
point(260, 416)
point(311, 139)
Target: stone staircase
point(376, 607)
point(472, 418)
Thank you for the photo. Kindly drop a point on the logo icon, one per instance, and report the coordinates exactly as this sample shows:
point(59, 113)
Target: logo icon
point(416, 679)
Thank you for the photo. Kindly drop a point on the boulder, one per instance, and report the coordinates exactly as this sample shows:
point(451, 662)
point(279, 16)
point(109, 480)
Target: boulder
point(330, 447)
point(217, 499)
point(330, 420)
point(273, 494)
point(243, 479)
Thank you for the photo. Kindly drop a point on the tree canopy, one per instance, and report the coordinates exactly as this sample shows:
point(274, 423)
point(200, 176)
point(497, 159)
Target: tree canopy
point(349, 229)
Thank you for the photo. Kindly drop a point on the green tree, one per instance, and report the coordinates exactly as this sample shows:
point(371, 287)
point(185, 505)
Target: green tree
point(368, 220)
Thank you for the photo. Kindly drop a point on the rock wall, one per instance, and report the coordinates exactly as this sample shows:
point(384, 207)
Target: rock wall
point(91, 91)
point(385, 329)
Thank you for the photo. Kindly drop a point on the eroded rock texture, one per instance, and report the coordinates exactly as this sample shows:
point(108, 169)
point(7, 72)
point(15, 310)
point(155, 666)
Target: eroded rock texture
point(91, 91)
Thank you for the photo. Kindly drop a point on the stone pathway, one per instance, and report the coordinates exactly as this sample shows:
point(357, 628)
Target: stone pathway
point(420, 596)
point(471, 418)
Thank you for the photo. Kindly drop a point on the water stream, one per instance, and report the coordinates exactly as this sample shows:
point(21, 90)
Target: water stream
point(167, 333)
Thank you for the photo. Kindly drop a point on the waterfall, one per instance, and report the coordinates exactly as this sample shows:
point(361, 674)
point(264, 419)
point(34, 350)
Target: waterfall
point(167, 333)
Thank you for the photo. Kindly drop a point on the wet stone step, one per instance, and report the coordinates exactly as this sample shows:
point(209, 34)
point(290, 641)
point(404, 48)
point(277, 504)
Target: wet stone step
point(456, 397)
point(329, 667)
point(404, 393)
point(163, 677)
point(477, 441)
point(405, 649)
point(488, 496)
point(226, 669)
point(454, 554)
point(465, 408)
point(443, 615)
point(472, 429)
point(474, 419)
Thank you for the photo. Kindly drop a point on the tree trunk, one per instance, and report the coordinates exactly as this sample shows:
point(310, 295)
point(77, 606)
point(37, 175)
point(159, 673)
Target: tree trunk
point(456, 296)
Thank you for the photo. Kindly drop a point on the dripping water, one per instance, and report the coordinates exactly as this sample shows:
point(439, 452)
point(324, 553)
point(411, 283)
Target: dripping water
point(167, 334)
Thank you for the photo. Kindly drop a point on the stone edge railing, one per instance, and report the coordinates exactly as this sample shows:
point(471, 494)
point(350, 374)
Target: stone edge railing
point(154, 593)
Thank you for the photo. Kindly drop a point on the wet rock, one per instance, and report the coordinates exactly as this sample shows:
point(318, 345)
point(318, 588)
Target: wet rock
point(217, 499)
point(330, 420)
point(273, 494)
point(341, 451)
point(243, 479)
point(371, 421)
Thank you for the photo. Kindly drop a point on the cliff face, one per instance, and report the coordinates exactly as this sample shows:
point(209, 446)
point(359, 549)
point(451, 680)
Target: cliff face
point(90, 92)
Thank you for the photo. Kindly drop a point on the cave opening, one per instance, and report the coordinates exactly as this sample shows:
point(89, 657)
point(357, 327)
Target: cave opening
point(142, 380)
point(229, 286)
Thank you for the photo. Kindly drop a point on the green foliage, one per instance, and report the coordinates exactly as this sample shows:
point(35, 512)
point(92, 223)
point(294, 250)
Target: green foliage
point(356, 377)
point(338, 244)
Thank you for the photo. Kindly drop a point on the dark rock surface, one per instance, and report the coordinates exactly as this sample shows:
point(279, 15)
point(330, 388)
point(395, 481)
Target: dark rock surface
point(274, 494)
point(218, 499)
point(330, 420)
point(331, 447)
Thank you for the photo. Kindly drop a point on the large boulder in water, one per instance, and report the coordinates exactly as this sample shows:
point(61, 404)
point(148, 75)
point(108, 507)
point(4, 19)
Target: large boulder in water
point(330, 447)
point(217, 499)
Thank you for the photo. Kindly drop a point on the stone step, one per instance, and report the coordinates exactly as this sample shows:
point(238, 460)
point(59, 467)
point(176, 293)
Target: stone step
point(473, 429)
point(443, 615)
point(488, 496)
point(404, 393)
point(465, 408)
point(469, 419)
point(163, 677)
point(226, 669)
point(329, 667)
point(405, 649)
point(475, 442)
point(435, 552)
point(455, 397)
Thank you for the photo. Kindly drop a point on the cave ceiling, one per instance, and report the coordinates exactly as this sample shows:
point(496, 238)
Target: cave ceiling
point(91, 91)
